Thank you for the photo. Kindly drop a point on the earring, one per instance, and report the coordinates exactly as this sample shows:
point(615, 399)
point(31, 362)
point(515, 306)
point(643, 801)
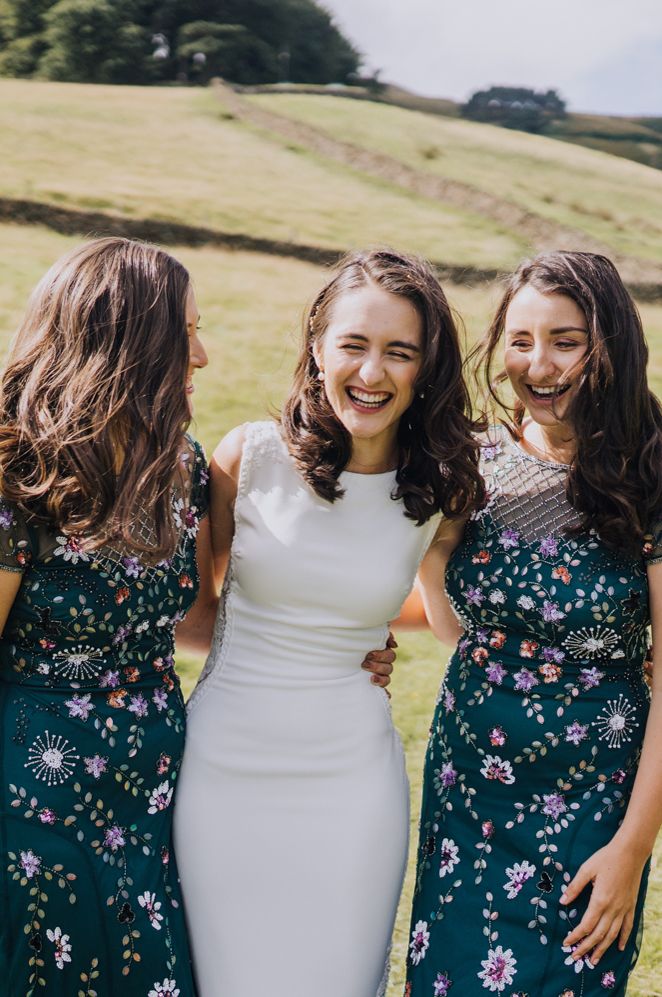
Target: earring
point(320, 375)
point(421, 394)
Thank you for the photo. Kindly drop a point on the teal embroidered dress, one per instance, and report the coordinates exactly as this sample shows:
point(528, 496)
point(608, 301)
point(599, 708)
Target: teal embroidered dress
point(91, 738)
point(534, 744)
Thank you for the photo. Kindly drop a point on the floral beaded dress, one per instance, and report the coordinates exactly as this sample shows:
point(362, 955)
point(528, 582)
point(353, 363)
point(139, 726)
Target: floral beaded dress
point(92, 737)
point(534, 744)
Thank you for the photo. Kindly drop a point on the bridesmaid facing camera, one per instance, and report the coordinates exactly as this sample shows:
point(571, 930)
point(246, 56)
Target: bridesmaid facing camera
point(542, 793)
point(292, 811)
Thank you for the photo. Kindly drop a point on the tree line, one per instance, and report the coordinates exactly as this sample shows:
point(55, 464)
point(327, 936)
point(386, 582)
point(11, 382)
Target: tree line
point(156, 41)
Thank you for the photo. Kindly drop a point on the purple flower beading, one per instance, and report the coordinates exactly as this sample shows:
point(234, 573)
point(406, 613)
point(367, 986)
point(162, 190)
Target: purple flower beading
point(525, 680)
point(549, 547)
point(550, 612)
point(553, 655)
point(509, 539)
point(555, 805)
point(114, 837)
point(474, 596)
point(495, 672)
point(590, 678)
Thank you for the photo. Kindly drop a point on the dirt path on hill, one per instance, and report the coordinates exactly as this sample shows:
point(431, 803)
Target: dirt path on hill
point(541, 233)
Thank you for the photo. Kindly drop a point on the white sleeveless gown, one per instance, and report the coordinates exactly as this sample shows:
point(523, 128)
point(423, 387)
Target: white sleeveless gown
point(292, 807)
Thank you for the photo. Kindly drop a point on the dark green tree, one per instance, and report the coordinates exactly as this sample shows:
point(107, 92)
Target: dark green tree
point(144, 41)
point(515, 107)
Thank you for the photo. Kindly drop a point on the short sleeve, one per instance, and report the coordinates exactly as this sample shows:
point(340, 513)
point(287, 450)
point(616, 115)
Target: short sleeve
point(199, 479)
point(652, 548)
point(15, 543)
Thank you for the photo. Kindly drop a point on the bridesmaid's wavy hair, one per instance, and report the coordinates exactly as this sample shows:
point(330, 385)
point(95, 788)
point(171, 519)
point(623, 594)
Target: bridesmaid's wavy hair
point(438, 455)
point(615, 479)
point(93, 406)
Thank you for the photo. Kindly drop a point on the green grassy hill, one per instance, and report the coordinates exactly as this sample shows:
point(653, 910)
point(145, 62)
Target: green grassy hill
point(614, 201)
point(173, 154)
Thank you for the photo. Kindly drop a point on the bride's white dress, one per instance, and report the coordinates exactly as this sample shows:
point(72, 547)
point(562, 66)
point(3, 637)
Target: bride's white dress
point(291, 817)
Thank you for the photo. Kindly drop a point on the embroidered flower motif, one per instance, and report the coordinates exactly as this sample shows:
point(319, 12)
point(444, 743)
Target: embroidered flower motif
point(96, 765)
point(563, 574)
point(497, 736)
point(509, 539)
point(166, 989)
point(497, 769)
point(447, 775)
point(498, 969)
point(160, 699)
point(51, 758)
point(449, 856)
point(575, 732)
point(71, 549)
point(159, 798)
point(482, 557)
point(528, 648)
point(80, 707)
point(579, 964)
point(152, 906)
point(550, 672)
point(548, 547)
point(526, 602)
point(497, 597)
point(553, 655)
point(62, 946)
point(590, 678)
point(498, 639)
point(132, 567)
point(479, 655)
point(619, 776)
point(525, 680)
point(615, 722)
point(420, 942)
point(550, 612)
point(163, 763)
point(138, 706)
point(608, 981)
point(517, 875)
point(114, 837)
point(474, 596)
point(7, 520)
point(30, 863)
point(592, 642)
point(487, 829)
point(555, 805)
point(47, 816)
point(441, 985)
point(78, 664)
point(110, 679)
point(495, 672)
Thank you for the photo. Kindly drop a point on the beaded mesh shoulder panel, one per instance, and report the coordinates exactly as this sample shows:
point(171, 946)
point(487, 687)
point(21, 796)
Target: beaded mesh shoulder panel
point(525, 494)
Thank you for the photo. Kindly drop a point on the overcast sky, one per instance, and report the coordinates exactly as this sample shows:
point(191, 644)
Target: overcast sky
point(601, 55)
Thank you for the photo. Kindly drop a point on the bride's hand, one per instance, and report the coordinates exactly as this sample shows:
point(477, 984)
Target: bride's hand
point(380, 663)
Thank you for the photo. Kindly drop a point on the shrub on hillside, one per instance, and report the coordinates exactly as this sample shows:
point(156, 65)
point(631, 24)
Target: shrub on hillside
point(515, 107)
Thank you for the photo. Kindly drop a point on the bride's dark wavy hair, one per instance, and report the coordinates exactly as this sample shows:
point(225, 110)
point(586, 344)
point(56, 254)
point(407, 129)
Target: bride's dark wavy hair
point(615, 479)
point(438, 455)
point(93, 405)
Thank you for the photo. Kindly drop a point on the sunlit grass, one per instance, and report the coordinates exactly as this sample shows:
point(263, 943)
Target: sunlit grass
point(174, 154)
point(614, 200)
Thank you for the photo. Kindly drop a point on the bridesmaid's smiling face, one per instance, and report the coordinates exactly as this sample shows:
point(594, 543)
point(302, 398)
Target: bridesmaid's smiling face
point(371, 356)
point(545, 342)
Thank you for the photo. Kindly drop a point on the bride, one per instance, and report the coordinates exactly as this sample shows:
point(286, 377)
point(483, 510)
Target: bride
point(292, 803)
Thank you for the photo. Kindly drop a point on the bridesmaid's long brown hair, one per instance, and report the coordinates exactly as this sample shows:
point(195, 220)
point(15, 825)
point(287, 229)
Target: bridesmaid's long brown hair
point(93, 406)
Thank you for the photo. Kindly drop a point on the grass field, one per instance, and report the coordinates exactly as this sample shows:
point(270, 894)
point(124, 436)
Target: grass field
point(251, 307)
point(173, 154)
point(616, 201)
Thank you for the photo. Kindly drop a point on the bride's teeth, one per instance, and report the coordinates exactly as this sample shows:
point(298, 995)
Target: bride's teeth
point(373, 400)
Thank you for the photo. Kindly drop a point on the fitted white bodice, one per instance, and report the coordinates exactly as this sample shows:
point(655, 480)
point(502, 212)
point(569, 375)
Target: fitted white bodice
point(311, 584)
